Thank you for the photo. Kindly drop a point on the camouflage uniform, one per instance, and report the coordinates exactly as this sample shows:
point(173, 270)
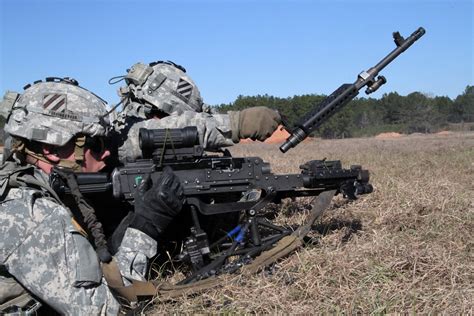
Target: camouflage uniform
point(40, 246)
point(50, 257)
point(166, 87)
point(214, 131)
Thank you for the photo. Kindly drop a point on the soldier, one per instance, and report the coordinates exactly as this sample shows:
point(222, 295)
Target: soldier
point(53, 251)
point(163, 90)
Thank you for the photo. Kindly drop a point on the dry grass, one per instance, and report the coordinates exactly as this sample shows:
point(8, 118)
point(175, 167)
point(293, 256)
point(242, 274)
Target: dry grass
point(407, 247)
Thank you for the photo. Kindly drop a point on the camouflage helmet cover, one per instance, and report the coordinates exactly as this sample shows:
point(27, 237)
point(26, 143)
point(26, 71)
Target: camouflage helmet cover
point(165, 86)
point(55, 112)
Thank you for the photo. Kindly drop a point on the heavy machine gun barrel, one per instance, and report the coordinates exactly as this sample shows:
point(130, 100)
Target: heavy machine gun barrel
point(346, 92)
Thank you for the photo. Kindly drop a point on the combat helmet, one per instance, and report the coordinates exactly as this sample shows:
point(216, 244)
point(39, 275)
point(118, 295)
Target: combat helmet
point(163, 85)
point(55, 112)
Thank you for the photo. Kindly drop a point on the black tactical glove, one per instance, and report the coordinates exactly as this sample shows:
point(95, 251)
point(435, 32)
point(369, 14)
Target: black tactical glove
point(257, 123)
point(156, 207)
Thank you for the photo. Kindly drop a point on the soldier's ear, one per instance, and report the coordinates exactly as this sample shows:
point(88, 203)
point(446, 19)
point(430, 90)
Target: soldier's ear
point(105, 153)
point(49, 153)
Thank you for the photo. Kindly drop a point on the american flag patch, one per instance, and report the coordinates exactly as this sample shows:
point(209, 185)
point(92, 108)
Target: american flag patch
point(184, 88)
point(54, 102)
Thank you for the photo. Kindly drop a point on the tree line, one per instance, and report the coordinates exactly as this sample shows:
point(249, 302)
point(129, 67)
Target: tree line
point(414, 113)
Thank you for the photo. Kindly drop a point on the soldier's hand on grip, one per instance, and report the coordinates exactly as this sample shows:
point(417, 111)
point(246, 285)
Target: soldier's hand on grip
point(257, 123)
point(156, 207)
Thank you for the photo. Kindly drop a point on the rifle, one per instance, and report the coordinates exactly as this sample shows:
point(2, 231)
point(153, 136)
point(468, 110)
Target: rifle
point(346, 92)
point(220, 186)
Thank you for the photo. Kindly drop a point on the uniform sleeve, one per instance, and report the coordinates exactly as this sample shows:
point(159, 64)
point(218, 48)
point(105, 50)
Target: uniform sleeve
point(214, 131)
point(44, 251)
point(134, 253)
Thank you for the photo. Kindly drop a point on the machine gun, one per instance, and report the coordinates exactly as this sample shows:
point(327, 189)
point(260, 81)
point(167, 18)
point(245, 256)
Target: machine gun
point(346, 92)
point(220, 184)
point(224, 186)
point(236, 189)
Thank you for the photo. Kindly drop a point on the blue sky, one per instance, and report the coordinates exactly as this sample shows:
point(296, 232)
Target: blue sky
point(231, 48)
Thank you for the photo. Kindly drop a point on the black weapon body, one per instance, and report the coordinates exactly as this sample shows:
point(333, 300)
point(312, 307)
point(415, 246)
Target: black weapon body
point(215, 185)
point(346, 92)
point(223, 195)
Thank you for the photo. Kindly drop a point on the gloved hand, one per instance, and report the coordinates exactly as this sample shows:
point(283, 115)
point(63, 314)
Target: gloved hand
point(156, 207)
point(256, 123)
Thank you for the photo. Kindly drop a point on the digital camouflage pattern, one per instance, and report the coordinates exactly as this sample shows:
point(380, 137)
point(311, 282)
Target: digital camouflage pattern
point(54, 112)
point(214, 130)
point(134, 253)
point(167, 87)
point(51, 258)
point(163, 85)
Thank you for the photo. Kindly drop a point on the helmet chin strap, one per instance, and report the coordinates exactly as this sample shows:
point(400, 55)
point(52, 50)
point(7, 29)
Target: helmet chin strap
point(75, 165)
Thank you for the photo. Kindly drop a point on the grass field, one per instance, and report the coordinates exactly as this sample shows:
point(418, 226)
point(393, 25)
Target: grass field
point(408, 247)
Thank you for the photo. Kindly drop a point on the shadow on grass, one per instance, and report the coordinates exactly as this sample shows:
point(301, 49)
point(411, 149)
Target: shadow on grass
point(349, 227)
point(353, 225)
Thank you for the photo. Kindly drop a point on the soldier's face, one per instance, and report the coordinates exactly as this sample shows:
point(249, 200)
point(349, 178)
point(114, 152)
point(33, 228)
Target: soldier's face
point(93, 157)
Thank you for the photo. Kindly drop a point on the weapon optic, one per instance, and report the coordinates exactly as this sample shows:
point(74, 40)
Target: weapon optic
point(346, 92)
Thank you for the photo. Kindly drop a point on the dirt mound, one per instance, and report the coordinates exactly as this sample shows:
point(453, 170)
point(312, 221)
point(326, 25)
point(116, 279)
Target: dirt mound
point(279, 136)
point(389, 135)
point(444, 133)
